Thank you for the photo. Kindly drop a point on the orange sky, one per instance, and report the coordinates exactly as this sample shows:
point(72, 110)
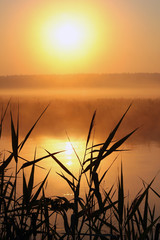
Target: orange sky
point(113, 36)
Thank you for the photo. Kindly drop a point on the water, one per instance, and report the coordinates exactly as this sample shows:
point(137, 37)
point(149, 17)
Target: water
point(73, 116)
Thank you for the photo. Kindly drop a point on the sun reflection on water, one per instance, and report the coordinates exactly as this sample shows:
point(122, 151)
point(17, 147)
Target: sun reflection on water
point(67, 156)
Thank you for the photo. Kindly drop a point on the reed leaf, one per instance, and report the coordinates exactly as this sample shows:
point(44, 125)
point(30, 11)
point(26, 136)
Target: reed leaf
point(108, 225)
point(119, 143)
point(30, 131)
point(61, 165)
point(156, 193)
point(95, 145)
point(145, 214)
point(72, 186)
point(25, 191)
point(107, 194)
point(10, 198)
point(151, 213)
point(90, 129)
point(112, 134)
point(3, 116)
point(6, 162)
point(66, 225)
point(133, 229)
point(31, 181)
point(145, 233)
point(74, 150)
point(96, 163)
point(112, 149)
point(138, 202)
point(9, 183)
point(39, 189)
point(30, 163)
point(96, 190)
point(14, 139)
point(120, 197)
point(46, 214)
point(108, 169)
point(96, 213)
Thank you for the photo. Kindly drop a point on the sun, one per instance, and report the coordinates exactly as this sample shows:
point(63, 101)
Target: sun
point(67, 34)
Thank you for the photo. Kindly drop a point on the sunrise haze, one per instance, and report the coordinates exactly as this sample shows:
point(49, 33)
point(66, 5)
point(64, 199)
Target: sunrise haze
point(52, 37)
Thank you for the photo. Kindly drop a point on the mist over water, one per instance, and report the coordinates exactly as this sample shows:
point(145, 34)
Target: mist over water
point(74, 116)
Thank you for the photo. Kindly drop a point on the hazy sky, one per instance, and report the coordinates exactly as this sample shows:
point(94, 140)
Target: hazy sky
point(61, 36)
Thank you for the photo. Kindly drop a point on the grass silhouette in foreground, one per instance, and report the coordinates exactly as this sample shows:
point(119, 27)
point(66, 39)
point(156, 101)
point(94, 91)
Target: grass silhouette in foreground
point(99, 214)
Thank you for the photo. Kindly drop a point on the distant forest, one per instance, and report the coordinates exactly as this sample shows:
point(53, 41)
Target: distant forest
point(126, 80)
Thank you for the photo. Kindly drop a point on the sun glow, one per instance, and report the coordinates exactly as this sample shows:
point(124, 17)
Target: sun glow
point(68, 34)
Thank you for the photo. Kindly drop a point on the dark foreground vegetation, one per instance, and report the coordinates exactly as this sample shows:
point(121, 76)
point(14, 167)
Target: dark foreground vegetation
point(99, 213)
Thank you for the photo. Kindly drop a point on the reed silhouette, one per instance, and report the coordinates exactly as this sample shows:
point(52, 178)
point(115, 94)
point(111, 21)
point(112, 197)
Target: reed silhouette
point(96, 214)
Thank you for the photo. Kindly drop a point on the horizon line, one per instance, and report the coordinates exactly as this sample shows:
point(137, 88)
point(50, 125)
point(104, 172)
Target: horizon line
point(67, 74)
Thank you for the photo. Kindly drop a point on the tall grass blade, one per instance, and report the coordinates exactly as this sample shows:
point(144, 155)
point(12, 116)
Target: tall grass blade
point(96, 191)
point(9, 183)
point(10, 198)
point(3, 116)
point(30, 163)
point(138, 202)
point(40, 188)
point(110, 225)
point(121, 197)
point(30, 131)
point(14, 140)
point(133, 229)
point(112, 134)
point(90, 129)
point(25, 191)
point(145, 215)
point(152, 213)
point(74, 150)
point(119, 143)
point(72, 186)
point(145, 233)
point(141, 222)
point(61, 165)
point(156, 193)
point(108, 169)
point(46, 214)
point(157, 232)
point(107, 194)
point(6, 162)
point(138, 230)
point(31, 181)
point(95, 145)
point(96, 163)
point(96, 213)
point(112, 149)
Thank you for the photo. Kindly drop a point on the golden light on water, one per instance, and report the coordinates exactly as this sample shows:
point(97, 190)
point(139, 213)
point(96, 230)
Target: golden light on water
point(69, 163)
point(67, 156)
point(69, 150)
point(69, 153)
